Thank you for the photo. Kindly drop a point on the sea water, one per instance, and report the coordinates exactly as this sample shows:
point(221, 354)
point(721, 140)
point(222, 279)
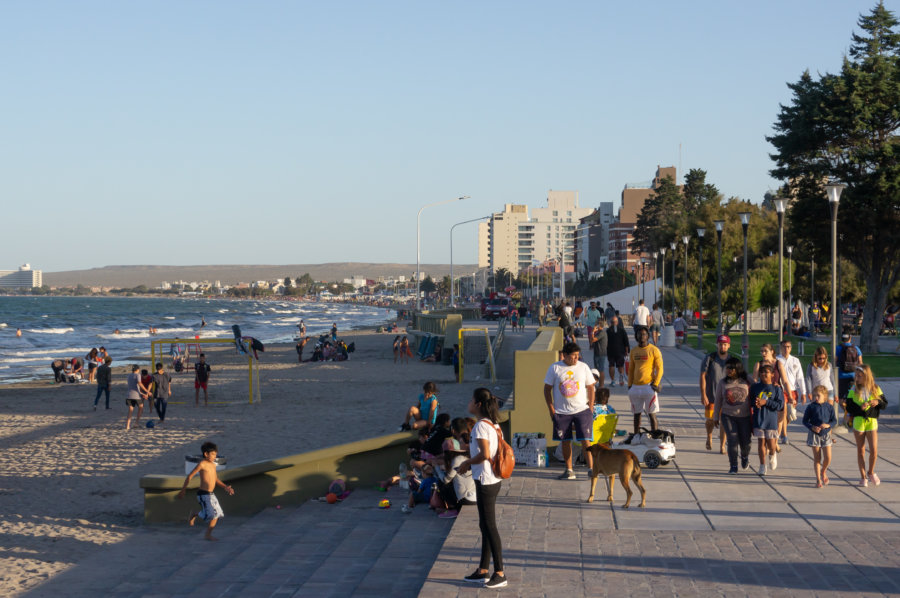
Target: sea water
point(67, 327)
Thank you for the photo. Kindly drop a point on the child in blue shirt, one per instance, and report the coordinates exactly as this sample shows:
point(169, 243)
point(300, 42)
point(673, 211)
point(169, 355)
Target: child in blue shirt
point(425, 413)
point(820, 418)
point(766, 400)
point(602, 407)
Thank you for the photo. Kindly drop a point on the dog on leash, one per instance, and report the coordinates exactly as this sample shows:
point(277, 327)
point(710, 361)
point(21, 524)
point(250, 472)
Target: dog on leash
point(610, 462)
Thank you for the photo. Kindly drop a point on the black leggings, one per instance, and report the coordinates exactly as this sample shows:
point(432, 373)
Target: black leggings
point(486, 499)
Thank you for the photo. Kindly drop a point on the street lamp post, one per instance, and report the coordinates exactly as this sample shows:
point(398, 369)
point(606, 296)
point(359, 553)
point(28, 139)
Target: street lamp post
point(833, 192)
point(720, 225)
point(745, 341)
point(686, 240)
point(700, 232)
point(779, 207)
point(790, 303)
point(672, 246)
point(451, 251)
point(655, 270)
point(662, 281)
point(418, 242)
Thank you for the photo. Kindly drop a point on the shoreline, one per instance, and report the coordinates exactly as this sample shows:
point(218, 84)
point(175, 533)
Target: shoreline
point(70, 475)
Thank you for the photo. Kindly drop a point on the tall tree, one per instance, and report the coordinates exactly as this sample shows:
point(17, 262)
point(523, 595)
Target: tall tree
point(844, 127)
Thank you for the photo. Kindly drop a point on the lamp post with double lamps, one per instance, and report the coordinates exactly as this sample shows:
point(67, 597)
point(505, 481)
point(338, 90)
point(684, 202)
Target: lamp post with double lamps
point(745, 341)
point(779, 208)
point(672, 246)
point(451, 251)
point(720, 225)
point(418, 243)
point(833, 192)
point(700, 233)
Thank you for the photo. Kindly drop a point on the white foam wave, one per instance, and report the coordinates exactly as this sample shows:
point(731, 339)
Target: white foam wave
point(51, 330)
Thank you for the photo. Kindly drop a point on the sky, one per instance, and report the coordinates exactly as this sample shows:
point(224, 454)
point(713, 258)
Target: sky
point(304, 132)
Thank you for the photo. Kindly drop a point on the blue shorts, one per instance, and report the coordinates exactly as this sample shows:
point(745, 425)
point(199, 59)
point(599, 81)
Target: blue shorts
point(209, 506)
point(574, 426)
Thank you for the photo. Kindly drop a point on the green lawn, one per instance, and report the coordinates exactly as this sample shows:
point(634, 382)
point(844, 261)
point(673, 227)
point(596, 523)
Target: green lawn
point(884, 365)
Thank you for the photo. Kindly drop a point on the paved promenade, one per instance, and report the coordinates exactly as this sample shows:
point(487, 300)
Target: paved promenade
point(703, 532)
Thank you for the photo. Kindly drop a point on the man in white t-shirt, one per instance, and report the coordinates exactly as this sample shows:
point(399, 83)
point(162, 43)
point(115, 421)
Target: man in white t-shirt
point(569, 392)
point(642, 315)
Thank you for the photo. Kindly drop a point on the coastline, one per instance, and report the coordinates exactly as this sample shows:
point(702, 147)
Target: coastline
point(70, 474)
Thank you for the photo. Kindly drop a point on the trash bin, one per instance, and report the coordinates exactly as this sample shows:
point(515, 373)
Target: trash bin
point(190, 462)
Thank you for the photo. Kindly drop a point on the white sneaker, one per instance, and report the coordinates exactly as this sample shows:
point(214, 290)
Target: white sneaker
point(762, 469)
point(773, 461)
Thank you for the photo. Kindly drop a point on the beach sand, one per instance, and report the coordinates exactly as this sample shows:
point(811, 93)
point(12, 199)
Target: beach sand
point(69, 475)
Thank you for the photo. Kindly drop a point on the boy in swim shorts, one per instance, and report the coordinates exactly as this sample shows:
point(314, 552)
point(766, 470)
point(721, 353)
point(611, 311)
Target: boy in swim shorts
point(209, 505)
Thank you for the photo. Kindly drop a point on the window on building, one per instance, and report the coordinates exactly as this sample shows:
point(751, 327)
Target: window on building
point(569, 213)
point(555, 213)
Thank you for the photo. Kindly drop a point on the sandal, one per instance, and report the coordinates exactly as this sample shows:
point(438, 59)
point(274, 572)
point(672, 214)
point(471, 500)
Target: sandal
point(819, 484)
point(825, 480)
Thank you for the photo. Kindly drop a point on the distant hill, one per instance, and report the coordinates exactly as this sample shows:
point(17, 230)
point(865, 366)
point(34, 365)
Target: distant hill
point(152, 276)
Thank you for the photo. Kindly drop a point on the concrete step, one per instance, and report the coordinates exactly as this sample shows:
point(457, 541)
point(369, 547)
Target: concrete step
point(351, 548)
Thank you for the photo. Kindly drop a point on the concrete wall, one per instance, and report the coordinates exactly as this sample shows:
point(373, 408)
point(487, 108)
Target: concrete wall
point(289, 480)
point(530, 409)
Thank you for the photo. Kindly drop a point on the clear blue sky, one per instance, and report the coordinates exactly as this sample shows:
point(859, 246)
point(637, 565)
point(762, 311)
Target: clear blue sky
point(299, 132)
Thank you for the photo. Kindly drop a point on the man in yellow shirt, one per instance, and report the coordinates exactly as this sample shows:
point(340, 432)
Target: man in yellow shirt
point(645, 372)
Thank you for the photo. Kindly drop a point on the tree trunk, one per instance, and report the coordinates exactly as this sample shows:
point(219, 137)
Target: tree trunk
point(876, 301)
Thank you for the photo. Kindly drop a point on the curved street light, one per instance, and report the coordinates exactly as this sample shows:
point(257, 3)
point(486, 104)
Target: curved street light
point(418, 241)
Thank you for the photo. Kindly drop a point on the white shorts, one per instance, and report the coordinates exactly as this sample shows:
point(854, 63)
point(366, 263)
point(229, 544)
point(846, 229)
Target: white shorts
point(643, 398)
point(209, 507)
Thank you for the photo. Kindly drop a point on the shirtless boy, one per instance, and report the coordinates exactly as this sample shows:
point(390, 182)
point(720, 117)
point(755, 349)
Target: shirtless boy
point(209, 505)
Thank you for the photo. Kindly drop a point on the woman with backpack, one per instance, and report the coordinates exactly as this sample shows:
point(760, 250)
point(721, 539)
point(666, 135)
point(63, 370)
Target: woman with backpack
point(864, 404)
point(485, 443)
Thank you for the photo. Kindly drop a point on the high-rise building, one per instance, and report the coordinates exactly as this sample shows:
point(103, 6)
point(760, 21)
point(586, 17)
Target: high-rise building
point(620, 232)
point(512, 240)
point(592, 240)
point(23, 278)
point(499, 240)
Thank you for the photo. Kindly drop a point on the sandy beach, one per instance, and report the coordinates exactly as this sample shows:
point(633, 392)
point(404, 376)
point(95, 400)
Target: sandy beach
point(69, 475)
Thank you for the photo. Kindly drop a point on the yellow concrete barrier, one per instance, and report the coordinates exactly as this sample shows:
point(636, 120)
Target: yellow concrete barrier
point(289, 480)
point(530, 409)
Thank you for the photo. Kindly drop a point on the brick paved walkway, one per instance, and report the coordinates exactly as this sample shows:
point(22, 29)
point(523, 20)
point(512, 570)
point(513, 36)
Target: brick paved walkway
point(704, 532)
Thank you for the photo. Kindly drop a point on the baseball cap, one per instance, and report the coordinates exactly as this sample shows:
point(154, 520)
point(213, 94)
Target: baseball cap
point(845, 337)
point(723, 338)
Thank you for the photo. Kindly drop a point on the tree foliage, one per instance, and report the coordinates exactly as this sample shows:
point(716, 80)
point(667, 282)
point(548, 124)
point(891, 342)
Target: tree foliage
point(843, 127)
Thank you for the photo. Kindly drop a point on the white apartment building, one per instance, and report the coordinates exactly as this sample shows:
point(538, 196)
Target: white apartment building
point(23, 278)
point(513, 240)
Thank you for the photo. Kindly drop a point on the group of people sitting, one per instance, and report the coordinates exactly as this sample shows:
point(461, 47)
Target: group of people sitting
point(72, 370)
point(441, 446)
point(326, 350)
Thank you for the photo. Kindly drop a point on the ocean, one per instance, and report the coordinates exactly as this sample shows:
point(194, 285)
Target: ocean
point(67, 327)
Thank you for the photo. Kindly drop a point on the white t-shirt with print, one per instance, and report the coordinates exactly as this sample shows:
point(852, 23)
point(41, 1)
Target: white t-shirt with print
point(569, 386)
point(484, 472)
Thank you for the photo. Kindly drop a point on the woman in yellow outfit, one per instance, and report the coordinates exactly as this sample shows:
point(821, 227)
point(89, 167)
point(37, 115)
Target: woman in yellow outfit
point(863, 405)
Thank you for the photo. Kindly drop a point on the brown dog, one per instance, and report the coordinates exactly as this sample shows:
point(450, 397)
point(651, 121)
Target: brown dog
point(610, 462)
